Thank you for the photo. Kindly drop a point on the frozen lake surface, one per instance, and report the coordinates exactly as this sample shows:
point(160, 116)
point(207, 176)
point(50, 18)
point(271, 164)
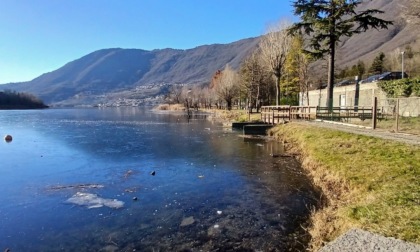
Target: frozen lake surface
point(211, 189)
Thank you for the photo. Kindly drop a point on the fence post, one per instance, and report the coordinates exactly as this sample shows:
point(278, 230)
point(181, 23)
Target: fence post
point(375, 105)
point(290, 113)
point(273, 115)
point(397, 116)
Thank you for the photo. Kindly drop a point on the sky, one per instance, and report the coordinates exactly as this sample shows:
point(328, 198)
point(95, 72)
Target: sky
point(39, 36)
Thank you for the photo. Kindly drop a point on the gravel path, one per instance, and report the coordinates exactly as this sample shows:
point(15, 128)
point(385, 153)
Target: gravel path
point(400, 137)
point(359, 240)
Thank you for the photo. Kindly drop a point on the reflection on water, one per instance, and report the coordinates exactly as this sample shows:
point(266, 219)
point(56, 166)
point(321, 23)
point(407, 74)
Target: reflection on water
point(212, 190)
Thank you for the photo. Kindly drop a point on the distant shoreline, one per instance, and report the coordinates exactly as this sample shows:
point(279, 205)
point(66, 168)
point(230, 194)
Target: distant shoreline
point(22, 107)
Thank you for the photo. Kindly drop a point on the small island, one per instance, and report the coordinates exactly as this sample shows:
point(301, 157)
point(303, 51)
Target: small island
point(15, 100)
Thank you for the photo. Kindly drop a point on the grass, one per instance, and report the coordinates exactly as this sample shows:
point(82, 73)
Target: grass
point(369, 183)
point(235, 115)
point(170, 107)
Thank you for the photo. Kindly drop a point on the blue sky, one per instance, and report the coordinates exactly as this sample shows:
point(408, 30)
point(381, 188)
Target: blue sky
point(39, 36)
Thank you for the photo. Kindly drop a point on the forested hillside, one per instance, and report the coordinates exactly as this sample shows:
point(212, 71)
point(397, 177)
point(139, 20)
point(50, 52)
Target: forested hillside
point(14, 100)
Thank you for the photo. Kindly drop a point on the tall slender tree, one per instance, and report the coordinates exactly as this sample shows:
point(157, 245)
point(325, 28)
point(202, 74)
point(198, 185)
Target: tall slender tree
point(254, 77)
point(274, 46)
point(326, 21)
point(297, 69)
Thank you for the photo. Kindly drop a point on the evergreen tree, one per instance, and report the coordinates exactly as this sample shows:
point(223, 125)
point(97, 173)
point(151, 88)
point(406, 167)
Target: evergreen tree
point(361, 69)
point(377, 66)
point(297, 70)
point(326, 21)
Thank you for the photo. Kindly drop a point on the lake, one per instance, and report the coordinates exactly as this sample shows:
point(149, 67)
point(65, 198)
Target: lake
point(130, 179)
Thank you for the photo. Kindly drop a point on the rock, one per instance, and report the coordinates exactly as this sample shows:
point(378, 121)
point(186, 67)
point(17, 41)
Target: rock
point(128, 173)
point(187, 221)
point(8, 138)
point(214, 230)
point(130, 190)
point(109, 248)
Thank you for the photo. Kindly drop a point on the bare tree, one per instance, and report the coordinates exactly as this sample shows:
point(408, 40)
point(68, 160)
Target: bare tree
point(274, 46)
point(254, 79)
point(175, 94)
point(413, 11)
point(227, 86)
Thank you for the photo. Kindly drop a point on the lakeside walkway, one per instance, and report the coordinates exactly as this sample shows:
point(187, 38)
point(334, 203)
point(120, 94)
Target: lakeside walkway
point(399, 137)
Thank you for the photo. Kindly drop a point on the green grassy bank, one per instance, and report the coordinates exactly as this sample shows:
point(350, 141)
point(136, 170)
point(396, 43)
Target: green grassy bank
point(367, 182)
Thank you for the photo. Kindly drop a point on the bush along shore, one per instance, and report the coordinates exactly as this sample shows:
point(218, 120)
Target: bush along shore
point(367, 182)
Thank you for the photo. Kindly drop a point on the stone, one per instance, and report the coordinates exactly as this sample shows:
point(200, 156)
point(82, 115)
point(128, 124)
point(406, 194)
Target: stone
point(8, 138)
point(187, 221)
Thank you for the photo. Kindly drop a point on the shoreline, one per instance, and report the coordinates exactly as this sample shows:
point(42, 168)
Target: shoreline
point(351, 188)
point(367, 183)
point(332, 189)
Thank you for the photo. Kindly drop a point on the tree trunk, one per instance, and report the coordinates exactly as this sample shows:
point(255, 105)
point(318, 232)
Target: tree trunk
point(277, 90)
point(330, 86)
point(229, 104)
point(331, 60)
point(307, 97)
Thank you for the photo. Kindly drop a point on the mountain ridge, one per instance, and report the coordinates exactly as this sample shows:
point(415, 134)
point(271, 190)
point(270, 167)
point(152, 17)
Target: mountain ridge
point(115, 69)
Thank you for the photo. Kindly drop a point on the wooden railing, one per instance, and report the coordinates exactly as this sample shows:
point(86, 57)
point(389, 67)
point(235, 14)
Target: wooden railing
point(345, 113)
point(277, 114)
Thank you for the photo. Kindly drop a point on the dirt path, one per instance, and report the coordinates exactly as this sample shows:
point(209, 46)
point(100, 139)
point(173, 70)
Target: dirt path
point(400, 137)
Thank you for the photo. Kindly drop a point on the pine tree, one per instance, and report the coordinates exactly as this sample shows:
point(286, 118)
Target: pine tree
point(361, 69)
point(377, 66)
point(326, 21)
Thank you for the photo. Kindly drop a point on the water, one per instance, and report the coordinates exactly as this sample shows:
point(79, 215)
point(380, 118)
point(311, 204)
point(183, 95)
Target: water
point(212, 190)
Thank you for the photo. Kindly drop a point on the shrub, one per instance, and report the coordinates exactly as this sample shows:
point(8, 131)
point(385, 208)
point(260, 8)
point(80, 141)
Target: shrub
point(416, 87)
point(397, 88)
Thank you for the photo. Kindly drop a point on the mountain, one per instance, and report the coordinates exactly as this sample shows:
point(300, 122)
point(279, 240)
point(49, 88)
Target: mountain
point(365, 46)
point(109, 71)
point(111, 74)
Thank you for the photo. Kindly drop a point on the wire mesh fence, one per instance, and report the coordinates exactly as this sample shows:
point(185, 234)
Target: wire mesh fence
point(401, 114)
point(396, 115)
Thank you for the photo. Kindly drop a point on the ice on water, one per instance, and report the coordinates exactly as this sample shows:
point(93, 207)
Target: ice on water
point(91, 200)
